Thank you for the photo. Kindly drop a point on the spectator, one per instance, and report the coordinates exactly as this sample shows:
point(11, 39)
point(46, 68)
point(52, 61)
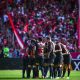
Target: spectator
point(43, 18)
point(6, 51)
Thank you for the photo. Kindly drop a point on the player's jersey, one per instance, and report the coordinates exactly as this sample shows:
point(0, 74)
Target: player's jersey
point(47, 50)
point(40, 48)
point(57, 47)
point(59, 57)
point(32, 50)
point(24, 53)
point(64, 49)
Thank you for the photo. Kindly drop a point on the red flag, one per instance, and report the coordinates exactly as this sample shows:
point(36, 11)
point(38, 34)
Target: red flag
point(15, 32)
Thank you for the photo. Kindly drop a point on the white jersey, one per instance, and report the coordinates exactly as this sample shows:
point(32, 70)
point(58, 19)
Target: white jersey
point(41, 48)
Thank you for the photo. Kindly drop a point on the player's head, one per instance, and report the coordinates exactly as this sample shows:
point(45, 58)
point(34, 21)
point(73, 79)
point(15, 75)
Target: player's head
point(58, 41)
point(33, 41)
point(39, 39)
point(48, 38)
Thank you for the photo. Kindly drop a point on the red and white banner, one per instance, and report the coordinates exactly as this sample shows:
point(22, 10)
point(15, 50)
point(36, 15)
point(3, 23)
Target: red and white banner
point(21, 43)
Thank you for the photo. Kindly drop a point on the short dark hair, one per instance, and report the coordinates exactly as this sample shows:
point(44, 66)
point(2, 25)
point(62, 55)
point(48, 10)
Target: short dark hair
point(40, 39)
point(48, 38)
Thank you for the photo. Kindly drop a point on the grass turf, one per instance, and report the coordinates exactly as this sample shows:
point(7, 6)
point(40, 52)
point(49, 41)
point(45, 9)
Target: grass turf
point(17, 75)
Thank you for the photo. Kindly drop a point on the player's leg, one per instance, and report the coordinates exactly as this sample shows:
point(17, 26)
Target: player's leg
point(60, 66)
point(41, 62)
point(69, 65)
point(34, 68)
point(51, 71)
point(69, 70)
point(27, 60)
point(29, 68)
point(64, 70)
point(24, 68)
point(64, 65)
point(37, 67)
point(55, 66)
point(46, 62)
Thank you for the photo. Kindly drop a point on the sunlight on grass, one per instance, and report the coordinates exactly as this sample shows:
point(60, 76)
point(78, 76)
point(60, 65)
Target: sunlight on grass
point(17, 75)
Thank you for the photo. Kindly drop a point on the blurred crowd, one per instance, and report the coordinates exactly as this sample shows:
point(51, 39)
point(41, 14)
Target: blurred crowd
point(55, 18)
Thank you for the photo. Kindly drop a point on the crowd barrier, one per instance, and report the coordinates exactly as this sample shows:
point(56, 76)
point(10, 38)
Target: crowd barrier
point(10, 63)
point(16, 63)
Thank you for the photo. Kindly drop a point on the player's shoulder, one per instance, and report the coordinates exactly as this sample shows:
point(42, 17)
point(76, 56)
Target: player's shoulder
point(53, 42)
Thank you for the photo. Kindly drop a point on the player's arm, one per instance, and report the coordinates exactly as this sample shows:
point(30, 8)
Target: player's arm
point(53, 46)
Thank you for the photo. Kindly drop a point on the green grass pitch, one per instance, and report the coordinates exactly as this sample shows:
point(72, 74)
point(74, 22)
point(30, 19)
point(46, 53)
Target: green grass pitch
point(17, 75)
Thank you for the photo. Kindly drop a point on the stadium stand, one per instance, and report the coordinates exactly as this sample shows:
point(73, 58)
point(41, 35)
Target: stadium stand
point(43, 17)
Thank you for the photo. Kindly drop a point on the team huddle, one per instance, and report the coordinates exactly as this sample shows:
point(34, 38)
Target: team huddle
point(46, 55)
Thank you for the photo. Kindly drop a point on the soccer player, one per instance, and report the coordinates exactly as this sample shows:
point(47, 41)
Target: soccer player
point(49, 56)
point(58, 60)
point(46, 58)
point(31, 55)
point(66, 60)
point(40, 56)
point(25, 61)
